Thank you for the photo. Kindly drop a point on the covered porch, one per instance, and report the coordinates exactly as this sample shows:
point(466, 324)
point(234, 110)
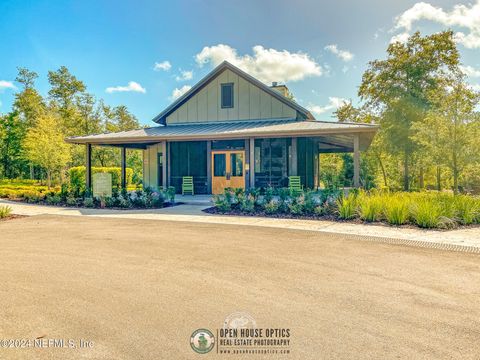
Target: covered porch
point(243, 154)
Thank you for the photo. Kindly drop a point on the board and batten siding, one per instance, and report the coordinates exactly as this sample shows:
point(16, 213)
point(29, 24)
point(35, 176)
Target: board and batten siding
point(150, 166)
point(249, 103)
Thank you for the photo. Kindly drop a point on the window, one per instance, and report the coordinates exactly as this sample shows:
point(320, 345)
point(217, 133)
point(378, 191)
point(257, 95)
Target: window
point(227, 95)
point(236, 164)
point(219, 165)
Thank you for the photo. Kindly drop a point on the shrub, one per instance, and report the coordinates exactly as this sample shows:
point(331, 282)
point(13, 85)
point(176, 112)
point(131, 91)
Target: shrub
point(319, 210)
point(71, 201)
point(269, 193)
point(254, 192)
point(396, 210)
point(310, 202)
point(296, 208)
point(271, 207)
point(427, 213)
point(5, 211)
point(370, 207)
point(347, 206)
point(53, 199)
point(467, 209)
point(247, 203)
point(171, 194)
point(158, 199)
point(123, 202)
point(77, 176)
point(88, 202)
point(222, 202)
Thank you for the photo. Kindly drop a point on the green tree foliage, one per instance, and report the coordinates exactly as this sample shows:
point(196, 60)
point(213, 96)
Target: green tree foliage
point(450, 131)
point(76, 112)
point(65, 88)
point(28, 102)
point(12, 133)
point(45, 146)
point(398, 88)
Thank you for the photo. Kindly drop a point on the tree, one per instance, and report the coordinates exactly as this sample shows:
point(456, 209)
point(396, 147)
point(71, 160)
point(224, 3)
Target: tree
point(45, 146)
point(398, 88)
point(12, 132)
point(450, 130)
point(28, 103)
point(65, 88)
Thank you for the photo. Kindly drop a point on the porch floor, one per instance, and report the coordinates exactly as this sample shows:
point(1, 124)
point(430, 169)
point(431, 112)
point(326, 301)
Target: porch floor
point(195, 199)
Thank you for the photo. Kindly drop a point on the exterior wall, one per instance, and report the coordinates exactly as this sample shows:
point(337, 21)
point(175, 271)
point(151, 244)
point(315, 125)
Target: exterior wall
point(250, 103)
point(150, 165)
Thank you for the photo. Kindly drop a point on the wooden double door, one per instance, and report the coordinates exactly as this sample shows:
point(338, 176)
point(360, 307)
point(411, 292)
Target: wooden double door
point(228, 170)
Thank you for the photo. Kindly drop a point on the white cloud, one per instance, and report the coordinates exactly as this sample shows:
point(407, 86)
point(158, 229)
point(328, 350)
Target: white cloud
point(176, 93)
point(333, 104)
point(184, 75)
point(4, 84)
point(266, 65)
point(463, 16)
point(475, 87)
point(401, 38)
point(132, 86)
point(344, 55)
point(470, 71)
point(164, 65)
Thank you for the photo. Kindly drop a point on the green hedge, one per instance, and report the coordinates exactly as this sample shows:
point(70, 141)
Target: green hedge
point(77, 175)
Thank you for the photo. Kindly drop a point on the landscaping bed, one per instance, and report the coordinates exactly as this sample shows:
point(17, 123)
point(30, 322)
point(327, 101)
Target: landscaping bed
point(6, 213)
point(75, 196)
point(432, 210)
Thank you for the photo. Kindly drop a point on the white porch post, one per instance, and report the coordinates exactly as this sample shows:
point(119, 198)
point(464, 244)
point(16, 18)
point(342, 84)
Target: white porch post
point(356, 161)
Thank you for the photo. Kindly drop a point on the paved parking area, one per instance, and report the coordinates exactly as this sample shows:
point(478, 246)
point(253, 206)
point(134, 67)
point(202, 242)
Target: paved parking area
point(138, 288)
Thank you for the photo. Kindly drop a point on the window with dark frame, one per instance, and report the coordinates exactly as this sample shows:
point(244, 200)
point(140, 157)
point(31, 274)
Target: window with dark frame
point(227, 95)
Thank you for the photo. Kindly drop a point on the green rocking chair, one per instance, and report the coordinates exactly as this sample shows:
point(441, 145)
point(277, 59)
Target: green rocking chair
point(295, 185)
point(187, 185)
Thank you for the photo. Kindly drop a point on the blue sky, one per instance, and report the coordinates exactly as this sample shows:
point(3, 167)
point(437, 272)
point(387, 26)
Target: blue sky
point(318, 48)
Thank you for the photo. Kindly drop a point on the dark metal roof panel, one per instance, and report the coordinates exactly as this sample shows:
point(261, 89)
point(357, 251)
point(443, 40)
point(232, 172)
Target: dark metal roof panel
point(224, 129)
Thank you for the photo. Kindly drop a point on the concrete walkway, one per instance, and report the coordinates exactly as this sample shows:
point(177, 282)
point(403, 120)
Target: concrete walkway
point(463, 237)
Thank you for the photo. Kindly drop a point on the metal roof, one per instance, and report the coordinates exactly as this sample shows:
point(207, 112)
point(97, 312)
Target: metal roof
point(161, 118)
point(226, 130)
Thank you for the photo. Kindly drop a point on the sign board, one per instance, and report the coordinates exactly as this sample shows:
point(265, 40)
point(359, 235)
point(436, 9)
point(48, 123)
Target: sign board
point(102, 184)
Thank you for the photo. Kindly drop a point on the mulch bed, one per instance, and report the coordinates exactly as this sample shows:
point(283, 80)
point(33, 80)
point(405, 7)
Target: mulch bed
point(12, 217)
point(44, 203)
point(214, 210)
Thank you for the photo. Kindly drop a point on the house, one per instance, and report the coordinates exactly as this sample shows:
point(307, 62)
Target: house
point(231, 130)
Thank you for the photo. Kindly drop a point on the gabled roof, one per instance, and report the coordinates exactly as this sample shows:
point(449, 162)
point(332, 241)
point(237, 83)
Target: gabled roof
point(161, 118)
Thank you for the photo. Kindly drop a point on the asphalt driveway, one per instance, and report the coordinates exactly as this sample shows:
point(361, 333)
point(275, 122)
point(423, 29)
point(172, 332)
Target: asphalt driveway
point(137, 289)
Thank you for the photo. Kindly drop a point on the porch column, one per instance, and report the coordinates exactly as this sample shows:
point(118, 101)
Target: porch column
point(252, 162)
point(168, 164)
point(356, 161)
point(247, 163)
point(124, 167)
point(293, 170)
point(209, 166)
point(164, 164)
point(316, 182)
point(88, 168)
